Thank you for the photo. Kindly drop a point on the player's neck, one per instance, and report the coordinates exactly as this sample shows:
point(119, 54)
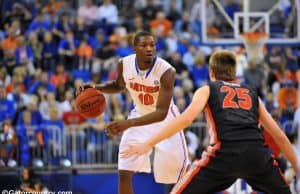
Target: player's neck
point(142, 65)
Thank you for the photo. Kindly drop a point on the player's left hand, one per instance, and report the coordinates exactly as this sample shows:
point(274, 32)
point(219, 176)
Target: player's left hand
point(136, 149)
point(116, 127)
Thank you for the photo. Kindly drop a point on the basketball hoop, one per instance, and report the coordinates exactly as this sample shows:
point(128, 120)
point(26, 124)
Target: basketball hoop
point(254, 43)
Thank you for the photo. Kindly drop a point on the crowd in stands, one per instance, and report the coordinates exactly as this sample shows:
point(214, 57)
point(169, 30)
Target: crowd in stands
point(50, 47)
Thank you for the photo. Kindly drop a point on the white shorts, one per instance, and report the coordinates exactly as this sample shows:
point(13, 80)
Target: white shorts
point(170, 157)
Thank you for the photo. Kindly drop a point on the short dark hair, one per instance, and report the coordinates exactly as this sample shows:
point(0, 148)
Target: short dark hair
point(223, 64)
point(138, 36)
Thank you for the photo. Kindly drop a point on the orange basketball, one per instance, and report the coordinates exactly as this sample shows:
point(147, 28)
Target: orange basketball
point(90, 103)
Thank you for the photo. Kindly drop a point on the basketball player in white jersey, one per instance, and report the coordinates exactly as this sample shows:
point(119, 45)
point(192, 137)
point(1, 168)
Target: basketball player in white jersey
point(150, 81)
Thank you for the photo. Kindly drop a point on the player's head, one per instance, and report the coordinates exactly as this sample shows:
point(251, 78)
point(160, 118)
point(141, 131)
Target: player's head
point(222, 65)
point(145, 46)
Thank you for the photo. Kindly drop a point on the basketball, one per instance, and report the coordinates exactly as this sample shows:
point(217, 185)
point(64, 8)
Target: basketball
point(90, 103)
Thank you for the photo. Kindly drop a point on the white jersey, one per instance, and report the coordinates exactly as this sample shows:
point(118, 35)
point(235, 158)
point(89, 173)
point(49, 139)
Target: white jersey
point(144, 86)
point(170, 159)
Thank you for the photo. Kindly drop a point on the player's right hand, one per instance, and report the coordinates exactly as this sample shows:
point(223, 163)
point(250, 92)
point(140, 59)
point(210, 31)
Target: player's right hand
point(84, 87)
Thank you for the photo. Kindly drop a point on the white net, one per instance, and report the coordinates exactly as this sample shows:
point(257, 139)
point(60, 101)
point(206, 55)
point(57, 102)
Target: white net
point(254, 44)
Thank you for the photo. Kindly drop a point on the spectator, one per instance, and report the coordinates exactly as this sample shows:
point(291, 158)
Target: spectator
point(181, 69)
point(291, 60)
point(65, 105)
point(59, 78)
point(84, 53)
point(108, 12)
point(188, 57)
point(66, 7)
point(26, 177)
point(184, 42)
point(149, 12)
point(161, 26)
point(72, 119)
point(270, 104)
point(24, 55)
point(37, 48)
point(30, 183)
point(6, 8)
point(200, 70)
point(89, 12)
point(174, 12)
point(62, 26)
point(183, 24)
point(52, 7)
point(241, 62)
point(53, 122)
point(9, 61)
point(67, 50)
point(35, 7)
point(171, 42)
point(108, 16)
point(49, 52)
point(104, 57)
point(42, 82)
point(138, 24)
point(7, 109)
point(18, 96)
point(5, 78)
point(16, 27)
point(178, 93)
point(181, 104)
point(124, 48)
point(20, 13)
point(231, 7)
point(97, 41)
point(9, 44)
point(47, 104)
point(8, 143)
point(275, 61)
point(115, 105)
point(254, 76)
point(160, 44)
point(32, 108)
point(30, 137)
point(17, 79)
point(188, 88)
point(288, 101)
point(80, 29)
point(39, 25)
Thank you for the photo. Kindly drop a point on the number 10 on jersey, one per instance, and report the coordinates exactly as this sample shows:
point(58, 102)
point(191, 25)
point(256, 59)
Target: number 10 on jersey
point(146, 99)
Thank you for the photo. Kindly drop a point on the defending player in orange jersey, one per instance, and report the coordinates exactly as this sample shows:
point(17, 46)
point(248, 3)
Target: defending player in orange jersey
point(236, 148)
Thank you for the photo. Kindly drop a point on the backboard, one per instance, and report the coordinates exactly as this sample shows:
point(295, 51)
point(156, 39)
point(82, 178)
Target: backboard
point(280, 19)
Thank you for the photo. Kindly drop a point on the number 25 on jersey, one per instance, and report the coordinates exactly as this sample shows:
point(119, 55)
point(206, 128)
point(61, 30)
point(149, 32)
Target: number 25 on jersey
point(243, 101)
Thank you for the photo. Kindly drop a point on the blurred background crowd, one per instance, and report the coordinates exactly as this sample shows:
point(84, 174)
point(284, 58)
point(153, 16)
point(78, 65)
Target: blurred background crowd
point(50, 47)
